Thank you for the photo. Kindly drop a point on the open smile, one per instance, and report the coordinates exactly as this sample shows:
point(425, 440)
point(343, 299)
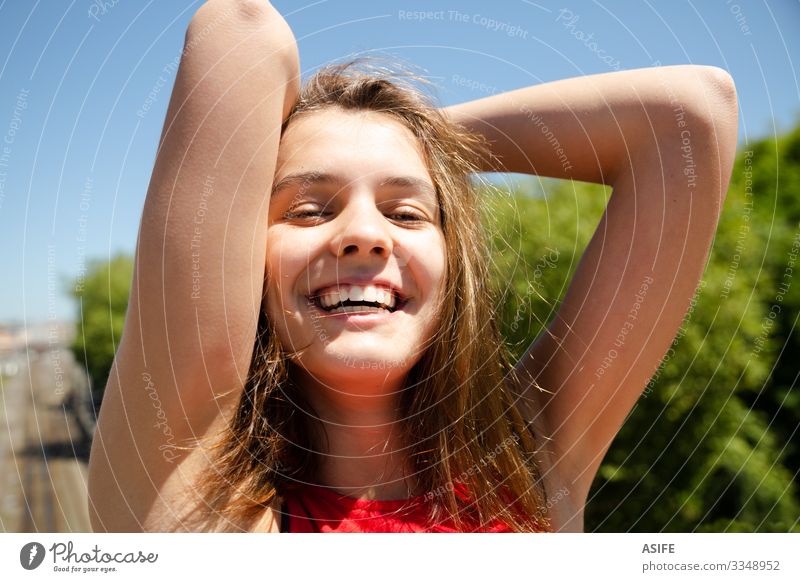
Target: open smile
point(347, 299)
point(357, 317)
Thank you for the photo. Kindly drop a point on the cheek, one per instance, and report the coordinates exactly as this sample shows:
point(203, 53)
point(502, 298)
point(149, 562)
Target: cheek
point(280, 303)
point(440, 269)
point(280, 267)
point(271, 303)
point(431, 268)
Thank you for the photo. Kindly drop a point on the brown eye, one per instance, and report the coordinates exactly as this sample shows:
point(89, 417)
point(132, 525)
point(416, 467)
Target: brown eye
point(406, 216)
point(304, 211)
point(304, 214)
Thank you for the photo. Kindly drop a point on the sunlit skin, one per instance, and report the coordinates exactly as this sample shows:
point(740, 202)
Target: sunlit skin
point(619, 129)
point(353, 198)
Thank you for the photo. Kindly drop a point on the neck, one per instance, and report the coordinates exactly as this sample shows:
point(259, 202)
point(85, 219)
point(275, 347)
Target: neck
point(363, 455)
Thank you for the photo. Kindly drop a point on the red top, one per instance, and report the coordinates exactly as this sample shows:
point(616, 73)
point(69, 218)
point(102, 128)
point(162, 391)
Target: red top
point(317, 509)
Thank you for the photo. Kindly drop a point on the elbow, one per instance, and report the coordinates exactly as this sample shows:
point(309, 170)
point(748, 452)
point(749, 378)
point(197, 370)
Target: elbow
point(245, 10)
point(720, 82)
point(704, 93)
point(713, 114)
point(255, 27)
point(713, 101)
point(218, 21)
point(720, 92)
point(723, 120)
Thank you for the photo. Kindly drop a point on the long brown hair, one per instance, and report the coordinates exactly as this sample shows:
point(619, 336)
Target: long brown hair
point(460, 423)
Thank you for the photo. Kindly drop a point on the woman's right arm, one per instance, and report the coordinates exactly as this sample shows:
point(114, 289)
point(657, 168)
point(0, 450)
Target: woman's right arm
point(196, 292)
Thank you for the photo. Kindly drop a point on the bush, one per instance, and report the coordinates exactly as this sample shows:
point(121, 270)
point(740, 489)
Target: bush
point(102, 300)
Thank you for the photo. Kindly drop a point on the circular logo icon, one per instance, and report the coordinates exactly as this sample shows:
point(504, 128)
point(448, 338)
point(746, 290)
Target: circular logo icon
point(31, 555)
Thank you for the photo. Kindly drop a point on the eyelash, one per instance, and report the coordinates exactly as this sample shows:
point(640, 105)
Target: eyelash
point(410, 216)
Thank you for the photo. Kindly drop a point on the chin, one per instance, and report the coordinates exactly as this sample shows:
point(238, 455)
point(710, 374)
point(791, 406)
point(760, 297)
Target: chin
point(354, 365)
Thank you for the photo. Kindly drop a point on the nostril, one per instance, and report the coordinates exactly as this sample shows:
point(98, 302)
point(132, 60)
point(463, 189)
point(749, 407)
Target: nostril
point(353, 250)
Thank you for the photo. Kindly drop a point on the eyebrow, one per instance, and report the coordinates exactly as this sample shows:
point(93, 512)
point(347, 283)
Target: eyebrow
point(410, 182)
point(306, 179)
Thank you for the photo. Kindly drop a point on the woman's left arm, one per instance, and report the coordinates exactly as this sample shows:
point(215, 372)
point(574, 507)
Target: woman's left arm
point(664, 139)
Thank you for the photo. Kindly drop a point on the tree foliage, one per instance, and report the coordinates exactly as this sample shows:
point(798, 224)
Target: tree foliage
point(711, 444)
point(101, 302)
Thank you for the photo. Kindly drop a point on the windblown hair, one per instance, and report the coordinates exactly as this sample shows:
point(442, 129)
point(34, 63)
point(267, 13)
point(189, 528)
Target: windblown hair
point(461, 425)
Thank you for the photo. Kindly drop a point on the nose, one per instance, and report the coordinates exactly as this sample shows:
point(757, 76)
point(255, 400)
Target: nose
point(364, 230)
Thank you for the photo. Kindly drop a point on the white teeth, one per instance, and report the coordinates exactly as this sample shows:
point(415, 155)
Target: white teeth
point(356, 293)
point(370, 293)
point(335, 295)
point(358, 309)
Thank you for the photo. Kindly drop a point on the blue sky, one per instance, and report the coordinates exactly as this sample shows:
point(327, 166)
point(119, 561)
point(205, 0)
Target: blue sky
point(75, 158)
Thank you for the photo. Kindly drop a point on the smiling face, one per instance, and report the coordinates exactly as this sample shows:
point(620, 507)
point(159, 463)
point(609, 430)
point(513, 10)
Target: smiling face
point(353, 217)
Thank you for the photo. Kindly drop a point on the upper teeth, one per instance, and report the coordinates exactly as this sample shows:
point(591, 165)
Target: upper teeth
point(335, 295)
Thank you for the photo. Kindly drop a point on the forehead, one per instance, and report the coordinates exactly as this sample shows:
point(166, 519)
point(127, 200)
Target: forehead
point(352, 144)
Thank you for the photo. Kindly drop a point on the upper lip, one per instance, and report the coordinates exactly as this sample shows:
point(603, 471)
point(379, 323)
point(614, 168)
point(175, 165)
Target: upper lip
point(362, 282)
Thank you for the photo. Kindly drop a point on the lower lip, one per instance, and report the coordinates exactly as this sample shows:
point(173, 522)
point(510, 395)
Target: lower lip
point(363, 318)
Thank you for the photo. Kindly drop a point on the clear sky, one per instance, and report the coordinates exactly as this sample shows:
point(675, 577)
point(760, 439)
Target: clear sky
point(75, 157)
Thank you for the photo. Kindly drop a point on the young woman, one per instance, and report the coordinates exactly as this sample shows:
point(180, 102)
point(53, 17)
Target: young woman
point(310, 342)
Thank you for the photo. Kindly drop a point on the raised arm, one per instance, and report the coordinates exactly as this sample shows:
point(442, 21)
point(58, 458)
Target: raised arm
point(664, 139)
point(200, 258)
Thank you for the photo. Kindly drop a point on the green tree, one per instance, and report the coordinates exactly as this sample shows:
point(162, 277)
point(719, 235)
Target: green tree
point(772, 166)
point(693, 455)
point(102, 299)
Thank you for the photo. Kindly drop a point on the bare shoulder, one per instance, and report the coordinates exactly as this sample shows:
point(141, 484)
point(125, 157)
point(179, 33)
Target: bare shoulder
point(174, 504)
point(271, 520)
point(565, 508)
point(186, 510)
point(565, 502)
